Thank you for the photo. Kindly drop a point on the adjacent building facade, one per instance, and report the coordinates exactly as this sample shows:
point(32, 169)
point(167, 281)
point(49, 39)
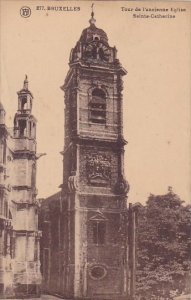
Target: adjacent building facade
point(19, 235)
point(84, 249)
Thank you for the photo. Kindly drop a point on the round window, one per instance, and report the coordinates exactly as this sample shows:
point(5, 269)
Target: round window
point(98, 272)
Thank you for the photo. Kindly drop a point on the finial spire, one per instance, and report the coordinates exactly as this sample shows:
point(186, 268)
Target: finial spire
point(92, 20)
point(92, 14)
point(170, 189)
point(25, 85)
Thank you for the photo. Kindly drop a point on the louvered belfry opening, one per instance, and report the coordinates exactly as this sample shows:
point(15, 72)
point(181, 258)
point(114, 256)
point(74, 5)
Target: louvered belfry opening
point(98, 106)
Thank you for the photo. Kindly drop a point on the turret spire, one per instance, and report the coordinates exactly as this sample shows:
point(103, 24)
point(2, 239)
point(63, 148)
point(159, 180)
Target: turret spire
point(92, 20)
point(170, 190)
point(25, 85)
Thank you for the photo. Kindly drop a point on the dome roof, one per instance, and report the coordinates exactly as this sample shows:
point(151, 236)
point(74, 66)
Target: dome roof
point(89, 33)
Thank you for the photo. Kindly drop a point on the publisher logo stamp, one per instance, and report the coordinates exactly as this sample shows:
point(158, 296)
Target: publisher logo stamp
point(25, 11)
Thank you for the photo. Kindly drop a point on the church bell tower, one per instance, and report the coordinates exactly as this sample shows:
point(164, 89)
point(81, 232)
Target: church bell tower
point(94, 188)
point(24, 205)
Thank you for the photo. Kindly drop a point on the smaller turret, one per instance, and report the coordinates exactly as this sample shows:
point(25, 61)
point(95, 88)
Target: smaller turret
point(24, 122)
point(25, 98)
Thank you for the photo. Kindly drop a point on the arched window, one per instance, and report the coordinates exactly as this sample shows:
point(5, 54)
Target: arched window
point(24, 103)
point(6, 209)
point(22, 127)
point(10, 215)
point(97, 106)
point(33, 176)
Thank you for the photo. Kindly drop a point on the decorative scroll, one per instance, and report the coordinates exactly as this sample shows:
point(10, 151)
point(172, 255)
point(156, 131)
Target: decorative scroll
point(122, 186)
point(98, 168)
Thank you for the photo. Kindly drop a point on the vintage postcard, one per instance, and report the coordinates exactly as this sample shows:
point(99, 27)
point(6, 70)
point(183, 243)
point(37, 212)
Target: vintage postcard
point(95, 142)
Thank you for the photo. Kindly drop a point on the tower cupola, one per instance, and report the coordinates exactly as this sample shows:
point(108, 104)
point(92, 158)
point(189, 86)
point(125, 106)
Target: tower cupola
point(24, 122)
point(25, 98)
point(92, 33)
point(93, 47)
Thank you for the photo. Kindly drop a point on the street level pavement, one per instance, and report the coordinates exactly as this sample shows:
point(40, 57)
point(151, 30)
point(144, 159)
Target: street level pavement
point(43, 297)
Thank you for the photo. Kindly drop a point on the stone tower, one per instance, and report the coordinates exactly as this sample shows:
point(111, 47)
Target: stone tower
point(23, 204)
point(5, 221)
point(94, 189)
point(19, 236)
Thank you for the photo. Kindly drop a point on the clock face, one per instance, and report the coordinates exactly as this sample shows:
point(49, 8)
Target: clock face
point(97, 50)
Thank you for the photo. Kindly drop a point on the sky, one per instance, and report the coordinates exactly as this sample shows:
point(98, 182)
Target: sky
point(156, 95)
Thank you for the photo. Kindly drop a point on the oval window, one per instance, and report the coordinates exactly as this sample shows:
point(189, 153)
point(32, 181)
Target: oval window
point(98, 272)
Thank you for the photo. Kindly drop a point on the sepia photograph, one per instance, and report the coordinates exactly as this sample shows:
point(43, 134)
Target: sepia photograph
point(95, 143)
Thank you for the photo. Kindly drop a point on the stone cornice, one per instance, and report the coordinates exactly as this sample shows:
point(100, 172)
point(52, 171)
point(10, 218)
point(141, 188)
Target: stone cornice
point(20, 154)
point(22, 187)
point(118, 143)
point(91, 66)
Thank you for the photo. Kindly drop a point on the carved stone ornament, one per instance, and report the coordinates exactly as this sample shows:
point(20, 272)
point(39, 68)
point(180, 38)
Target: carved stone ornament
point(122, 186)
point(97, 50)
point(98, 169)
point(72, 183)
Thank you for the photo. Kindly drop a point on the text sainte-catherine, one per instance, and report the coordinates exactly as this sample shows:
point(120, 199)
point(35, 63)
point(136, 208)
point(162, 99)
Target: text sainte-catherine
point(153, 12)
